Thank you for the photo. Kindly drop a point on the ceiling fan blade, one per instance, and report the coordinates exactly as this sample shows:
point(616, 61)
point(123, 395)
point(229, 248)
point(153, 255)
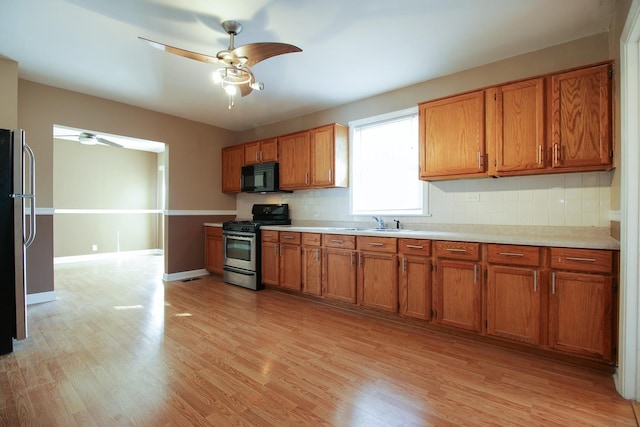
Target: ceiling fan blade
point(109, 143)
point(182, 52)
point(256, 52)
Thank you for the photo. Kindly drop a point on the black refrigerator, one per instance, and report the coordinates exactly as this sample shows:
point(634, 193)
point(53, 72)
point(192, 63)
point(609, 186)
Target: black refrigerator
point(17, 232)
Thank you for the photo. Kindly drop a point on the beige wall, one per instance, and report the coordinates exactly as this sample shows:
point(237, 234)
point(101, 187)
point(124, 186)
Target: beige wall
point(194, 148)
point(193, 153)
point(98, 177)
point(9, 91)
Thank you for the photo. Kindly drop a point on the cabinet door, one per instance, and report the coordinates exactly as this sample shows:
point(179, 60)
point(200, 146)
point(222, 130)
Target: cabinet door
point(290, 266)
point(378, 281)
point(295, 160)
point(581, 118)
point(414, 286)
point(252, 153)
point(322, 157)
point(270, 263)
point(232, 162)
point(458, 294)
point(269, 150)
point(213, 251)
point(513, 303)
point(580, 314)
point(452, 136)
point(520, 131)
point(312, 270)
point(339, 275)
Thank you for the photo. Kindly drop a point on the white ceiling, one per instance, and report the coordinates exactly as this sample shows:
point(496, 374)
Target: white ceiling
point(352, 49)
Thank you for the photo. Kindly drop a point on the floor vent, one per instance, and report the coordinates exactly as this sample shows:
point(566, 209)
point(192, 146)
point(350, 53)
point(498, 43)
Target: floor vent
point(191, 279)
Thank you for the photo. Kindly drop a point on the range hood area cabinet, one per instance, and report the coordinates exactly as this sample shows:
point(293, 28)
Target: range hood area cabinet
point(261, 151)
point(559, 122)
point(316, 158)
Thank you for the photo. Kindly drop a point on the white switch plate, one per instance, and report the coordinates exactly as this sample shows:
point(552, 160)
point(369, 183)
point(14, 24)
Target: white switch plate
point(95, 248)
point(473, 197)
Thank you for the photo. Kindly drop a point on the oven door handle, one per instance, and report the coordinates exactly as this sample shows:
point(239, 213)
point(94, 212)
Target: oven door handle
point(241, 236)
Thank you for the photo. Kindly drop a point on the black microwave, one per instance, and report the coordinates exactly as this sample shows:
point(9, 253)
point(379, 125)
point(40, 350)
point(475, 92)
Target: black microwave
point(262, 178)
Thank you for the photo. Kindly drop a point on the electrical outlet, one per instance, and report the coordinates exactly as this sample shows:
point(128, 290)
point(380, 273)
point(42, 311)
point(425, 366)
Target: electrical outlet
point(95, 248)
point(473, 197)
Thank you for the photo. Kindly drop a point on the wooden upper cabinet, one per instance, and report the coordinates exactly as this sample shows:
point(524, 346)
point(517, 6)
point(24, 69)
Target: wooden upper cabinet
point(295, 160)
point(581, 119)
point(261, 151)
point(316, 158)
point(452, 137)
point(232, 163)
point(519, 128)
point(329, 156)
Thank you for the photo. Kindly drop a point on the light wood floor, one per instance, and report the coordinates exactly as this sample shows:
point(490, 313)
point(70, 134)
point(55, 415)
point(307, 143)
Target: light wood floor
point(120, 347)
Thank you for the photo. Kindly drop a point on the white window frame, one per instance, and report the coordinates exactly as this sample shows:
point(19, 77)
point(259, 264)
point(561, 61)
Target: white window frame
point(424, 211)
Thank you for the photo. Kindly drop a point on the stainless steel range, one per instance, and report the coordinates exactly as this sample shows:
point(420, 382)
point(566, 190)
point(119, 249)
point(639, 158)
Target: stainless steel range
point(241, 243)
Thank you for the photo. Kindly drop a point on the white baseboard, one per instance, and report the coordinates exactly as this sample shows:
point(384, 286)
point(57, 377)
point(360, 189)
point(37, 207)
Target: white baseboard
point(41, 297)
point(182, 275)
point(108, 255)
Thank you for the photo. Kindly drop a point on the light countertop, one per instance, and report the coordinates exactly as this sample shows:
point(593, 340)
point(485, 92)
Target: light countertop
point(578, 237)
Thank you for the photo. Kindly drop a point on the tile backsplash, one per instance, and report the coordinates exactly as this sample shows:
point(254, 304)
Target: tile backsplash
point(574, 199)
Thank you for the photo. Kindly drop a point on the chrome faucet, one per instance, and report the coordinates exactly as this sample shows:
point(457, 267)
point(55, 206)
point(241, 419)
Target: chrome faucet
point(380, 221)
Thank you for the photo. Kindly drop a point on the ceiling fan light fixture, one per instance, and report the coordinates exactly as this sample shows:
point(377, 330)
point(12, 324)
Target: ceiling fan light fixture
point(87, 139)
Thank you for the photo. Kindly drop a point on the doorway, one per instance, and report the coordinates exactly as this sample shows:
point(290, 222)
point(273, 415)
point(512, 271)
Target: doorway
point(109, 195)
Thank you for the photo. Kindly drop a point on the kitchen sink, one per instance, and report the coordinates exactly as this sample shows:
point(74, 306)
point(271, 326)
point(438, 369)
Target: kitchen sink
point(385, 230)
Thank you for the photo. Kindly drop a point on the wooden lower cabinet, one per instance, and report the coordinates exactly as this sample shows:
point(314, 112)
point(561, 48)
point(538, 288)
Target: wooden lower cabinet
point(458, 292)
point(378, 281)
point(270, 251)
point(513, 303)
point(312, 270)
point(580, 314)
point(214, 252)
point(290, 266)
point(414, 278)
point(558, 299)
point(414, 286)
point(311, 263)
point(339, 274)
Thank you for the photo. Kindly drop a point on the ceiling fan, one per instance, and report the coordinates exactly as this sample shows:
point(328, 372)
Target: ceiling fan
point(236, 62)
point(91, 139)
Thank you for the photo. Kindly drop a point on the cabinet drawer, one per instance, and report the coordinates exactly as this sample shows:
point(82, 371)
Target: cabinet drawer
point(290, 237)
point(339, 241)
point(418, 247)
point(377, 244)
point(514, 255)
point(269, 236)
point(213, 231)
point(600, 261)
point(458, 250)
point(311, 239)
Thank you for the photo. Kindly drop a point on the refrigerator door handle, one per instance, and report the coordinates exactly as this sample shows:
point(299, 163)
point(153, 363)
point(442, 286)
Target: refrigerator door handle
point(31, 195)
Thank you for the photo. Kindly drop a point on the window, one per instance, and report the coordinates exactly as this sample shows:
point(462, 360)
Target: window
point(385, 165)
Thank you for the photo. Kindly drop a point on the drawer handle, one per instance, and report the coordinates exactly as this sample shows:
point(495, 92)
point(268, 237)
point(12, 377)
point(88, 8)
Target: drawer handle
point(415, 247)
point(580, 259)
point(313, 239)
point(268, 235)
point(288, 237)
point(510, 254)
point(456, 250)
point(337, 241)
point(375, 244)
